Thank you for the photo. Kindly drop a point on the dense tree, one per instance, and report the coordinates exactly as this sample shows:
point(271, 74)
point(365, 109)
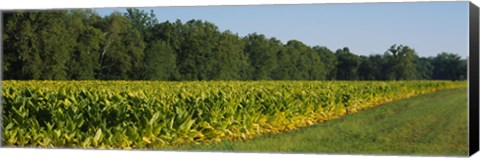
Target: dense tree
point(196, 50)
point(142, 22)
point(262, 54)
point(329, 60)
point(282, 71)
point(82, 45)
point(400, 63)
point(54, 54)
point(36, 52)
point(371, 68)
point(21, 54)
point(159, 62)
point(364, 72)
point(123, 50)
point(424, 68)
point(231, 62)
point(84, 58)
point(291, 62)
point(448, 66)
point(348, 64)
point(309, 63)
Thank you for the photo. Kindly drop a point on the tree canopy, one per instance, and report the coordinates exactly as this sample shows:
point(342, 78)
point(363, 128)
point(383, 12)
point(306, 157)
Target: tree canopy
point(81, 45)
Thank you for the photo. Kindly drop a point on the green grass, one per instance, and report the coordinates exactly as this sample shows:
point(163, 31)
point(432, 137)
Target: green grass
point(431, 124)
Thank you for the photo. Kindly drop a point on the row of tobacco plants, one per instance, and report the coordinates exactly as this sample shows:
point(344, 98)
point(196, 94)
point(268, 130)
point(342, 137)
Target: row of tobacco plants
point(154, 115)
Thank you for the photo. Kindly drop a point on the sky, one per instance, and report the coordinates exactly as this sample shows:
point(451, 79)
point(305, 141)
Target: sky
point(365, 28)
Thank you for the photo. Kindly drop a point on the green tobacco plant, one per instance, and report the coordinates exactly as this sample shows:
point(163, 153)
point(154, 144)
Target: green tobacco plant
point(155, 115)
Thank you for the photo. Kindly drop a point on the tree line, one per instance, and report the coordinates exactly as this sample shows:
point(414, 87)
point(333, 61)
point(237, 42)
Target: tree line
point(82, 45)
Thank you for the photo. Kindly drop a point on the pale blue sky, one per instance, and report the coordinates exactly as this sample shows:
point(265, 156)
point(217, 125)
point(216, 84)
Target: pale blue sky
point(366, 28)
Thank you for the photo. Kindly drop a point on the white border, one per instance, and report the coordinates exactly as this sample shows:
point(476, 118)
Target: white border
point(63, 4)
point(74, 153)
point(59, 4)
